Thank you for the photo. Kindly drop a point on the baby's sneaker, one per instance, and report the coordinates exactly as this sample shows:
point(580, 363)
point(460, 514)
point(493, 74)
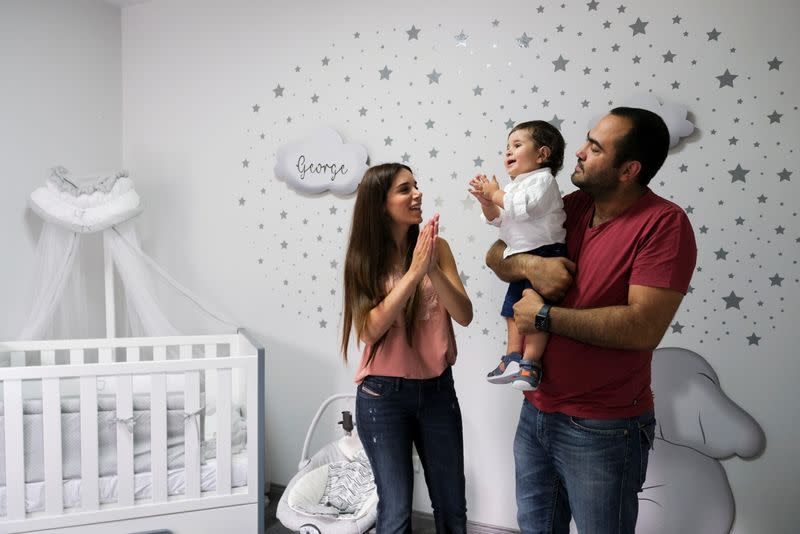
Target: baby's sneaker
point(506, 370)
point(529, 376)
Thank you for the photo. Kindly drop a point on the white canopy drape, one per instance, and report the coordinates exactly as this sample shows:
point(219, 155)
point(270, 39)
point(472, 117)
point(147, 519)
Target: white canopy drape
point(73, 209)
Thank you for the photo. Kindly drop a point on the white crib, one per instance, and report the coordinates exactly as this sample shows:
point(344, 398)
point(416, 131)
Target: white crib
point(215, 489)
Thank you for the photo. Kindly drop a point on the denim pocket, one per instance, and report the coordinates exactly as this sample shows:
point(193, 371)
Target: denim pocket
point(647, 435)
point(374, 388)
point(612, 428)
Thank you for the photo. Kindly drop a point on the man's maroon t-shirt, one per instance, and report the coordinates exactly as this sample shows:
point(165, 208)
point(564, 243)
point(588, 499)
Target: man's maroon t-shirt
point(651, 244)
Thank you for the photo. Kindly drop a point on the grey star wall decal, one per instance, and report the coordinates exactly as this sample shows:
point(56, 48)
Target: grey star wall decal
point(753, 339)
point(726, 79)
point(775, 280)
point(413, 33)
point(785, 176)
point(774, 117)
point(721, 254)
point(256, 107)
point(732, 301)
point(385, 72)
point(713, 35)
point(560, 63)
point(638, 26)
point(477, 90)
point(775, 63)
point(461, 39)
point(592, 5)
point(669, 57)
point(738, 174)
point(433, 77)
point(478, 161)
point(278, 91)
point(523, 40)
point(555, 121)
point(509, 124)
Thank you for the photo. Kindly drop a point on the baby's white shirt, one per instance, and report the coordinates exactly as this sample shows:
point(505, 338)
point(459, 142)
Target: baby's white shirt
point(533, 215)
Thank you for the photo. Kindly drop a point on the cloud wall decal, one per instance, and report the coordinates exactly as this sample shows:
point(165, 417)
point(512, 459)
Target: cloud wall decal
point(321, 162)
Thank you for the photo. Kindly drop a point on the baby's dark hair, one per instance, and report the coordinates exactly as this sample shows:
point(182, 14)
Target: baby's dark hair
point(545, 134)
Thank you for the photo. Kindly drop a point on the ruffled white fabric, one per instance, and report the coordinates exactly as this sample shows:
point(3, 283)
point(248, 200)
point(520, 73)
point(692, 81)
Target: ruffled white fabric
point(89, 208)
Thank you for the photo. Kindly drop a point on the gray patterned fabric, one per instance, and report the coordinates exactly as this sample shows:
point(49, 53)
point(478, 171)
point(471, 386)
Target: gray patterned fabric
point(349, 484)
point(107, 436)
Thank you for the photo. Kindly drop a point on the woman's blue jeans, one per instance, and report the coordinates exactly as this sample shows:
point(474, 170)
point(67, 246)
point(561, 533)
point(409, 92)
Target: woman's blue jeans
point(588, 469)
point(394, 413)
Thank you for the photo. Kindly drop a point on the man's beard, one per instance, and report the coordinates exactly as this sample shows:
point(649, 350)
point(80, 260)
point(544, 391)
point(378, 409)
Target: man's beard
point(596, 184)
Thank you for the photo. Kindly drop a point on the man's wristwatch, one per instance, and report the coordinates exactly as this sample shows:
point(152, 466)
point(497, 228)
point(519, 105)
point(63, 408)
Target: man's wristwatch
point(542, 321)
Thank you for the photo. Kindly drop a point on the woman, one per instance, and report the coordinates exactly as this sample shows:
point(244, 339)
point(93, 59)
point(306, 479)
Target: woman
point(401, 287)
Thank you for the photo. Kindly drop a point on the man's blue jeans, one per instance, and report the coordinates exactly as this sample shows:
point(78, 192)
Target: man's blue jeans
point(588, 469)
point(394, 413)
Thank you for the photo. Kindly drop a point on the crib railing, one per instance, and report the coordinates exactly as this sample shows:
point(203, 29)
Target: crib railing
point(228, 368)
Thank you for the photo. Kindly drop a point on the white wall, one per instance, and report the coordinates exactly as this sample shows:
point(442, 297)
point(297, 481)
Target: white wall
point(192, 72)
point(60, 104)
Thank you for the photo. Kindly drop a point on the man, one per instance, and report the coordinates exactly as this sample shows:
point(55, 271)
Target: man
point(584, 436)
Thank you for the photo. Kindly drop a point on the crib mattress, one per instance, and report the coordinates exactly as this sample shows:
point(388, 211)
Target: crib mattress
point(176, 485)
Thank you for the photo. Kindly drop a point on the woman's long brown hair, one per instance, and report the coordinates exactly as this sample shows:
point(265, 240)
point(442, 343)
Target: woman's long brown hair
point(369, 253)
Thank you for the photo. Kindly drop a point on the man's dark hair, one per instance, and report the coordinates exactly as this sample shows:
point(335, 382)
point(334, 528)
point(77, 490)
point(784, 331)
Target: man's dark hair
point(646, 142)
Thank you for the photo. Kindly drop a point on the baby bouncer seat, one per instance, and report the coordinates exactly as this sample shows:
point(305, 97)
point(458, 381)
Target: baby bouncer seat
point(334, 491)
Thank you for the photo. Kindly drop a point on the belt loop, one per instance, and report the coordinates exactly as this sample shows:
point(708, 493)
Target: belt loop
point(397, 383)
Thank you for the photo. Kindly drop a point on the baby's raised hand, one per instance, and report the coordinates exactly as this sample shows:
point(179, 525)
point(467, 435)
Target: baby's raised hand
point(490, 187)
point(477, 186)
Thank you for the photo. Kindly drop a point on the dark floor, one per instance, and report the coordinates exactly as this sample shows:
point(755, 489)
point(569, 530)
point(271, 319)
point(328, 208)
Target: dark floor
point(422, 524)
